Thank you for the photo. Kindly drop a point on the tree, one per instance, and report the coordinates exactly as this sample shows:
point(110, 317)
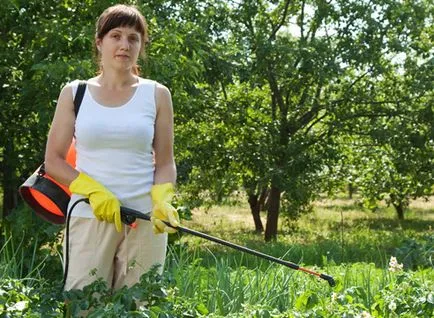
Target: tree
point(388, 126)
point(398, 164)
point(318, 82)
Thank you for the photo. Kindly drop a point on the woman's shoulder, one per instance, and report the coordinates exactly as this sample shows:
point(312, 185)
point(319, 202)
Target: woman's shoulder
point(73, 84)
point(70, 88)
point(157, 84)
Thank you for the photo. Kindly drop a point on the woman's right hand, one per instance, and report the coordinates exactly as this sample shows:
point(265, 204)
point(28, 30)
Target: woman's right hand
point(106, 207)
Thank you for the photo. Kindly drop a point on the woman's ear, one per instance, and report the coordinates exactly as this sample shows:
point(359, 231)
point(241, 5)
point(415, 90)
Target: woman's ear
point(98, 44)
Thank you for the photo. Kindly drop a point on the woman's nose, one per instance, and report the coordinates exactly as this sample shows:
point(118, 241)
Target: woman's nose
point(125, 44)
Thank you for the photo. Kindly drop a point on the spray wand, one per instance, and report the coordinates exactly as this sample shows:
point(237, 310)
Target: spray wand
point(129, 216)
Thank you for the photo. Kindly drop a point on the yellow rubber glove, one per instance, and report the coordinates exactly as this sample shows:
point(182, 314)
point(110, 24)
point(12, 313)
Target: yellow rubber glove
point(162, 210)
point(105, 205)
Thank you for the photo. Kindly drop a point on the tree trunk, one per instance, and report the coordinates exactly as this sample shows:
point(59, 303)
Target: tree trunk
point(255, 208)
point(399, 210)
point(273, 214)
point(350, 190)
point(262, 199)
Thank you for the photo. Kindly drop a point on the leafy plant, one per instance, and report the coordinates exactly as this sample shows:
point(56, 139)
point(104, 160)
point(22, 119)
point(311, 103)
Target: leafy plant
point(405, 296)
point(416, 253)
point(17, 299)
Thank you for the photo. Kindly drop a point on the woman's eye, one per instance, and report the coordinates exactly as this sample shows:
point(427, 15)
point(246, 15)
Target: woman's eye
point(116, 36)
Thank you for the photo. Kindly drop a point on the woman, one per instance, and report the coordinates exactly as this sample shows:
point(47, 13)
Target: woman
point(124, 147)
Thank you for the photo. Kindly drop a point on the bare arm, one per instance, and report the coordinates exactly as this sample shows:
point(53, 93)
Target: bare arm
point(165, 168)
point(60, 138)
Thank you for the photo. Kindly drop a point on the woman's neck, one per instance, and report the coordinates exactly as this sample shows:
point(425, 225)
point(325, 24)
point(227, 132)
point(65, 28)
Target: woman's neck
point(116, 80)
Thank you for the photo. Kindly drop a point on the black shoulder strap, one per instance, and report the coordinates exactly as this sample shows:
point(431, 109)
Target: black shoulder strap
point(77, 103)
point(79, 96)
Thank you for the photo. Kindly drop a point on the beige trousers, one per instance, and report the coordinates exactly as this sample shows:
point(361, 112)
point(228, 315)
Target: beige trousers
point(97, 250)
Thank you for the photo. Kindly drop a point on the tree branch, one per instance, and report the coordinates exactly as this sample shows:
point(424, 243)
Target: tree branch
point(276, 91)
point(308, 116)
point(302, 38)
point(316, 121)
point(282, 21)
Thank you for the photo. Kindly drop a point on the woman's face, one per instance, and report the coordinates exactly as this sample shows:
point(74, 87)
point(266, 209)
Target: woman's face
point(120, 48)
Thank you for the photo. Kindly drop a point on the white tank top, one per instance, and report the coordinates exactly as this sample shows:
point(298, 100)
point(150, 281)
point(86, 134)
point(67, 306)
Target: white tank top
point(114, 146)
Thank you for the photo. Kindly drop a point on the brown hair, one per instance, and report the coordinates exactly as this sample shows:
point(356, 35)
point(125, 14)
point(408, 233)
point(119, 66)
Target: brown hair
point(121, 15)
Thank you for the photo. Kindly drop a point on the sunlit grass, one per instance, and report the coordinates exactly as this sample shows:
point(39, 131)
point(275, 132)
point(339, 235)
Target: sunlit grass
point(339, 230)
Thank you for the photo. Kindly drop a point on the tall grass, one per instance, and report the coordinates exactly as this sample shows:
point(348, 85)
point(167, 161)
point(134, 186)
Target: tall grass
point(226, 290)
point(15, 261)
point(29, 247)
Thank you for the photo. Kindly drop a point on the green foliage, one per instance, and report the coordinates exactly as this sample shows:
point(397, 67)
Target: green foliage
point(98, 300)
point(233, 292)
point(395, 161)
point(17, 299)
point(31, 247)
point(417, 252)
point(404, 296)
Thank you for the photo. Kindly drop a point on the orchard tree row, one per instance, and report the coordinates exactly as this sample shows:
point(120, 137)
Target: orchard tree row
point(282, 100)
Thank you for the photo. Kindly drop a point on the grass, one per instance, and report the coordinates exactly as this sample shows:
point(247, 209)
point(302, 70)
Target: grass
point(227, 290)
point(339, 238)
point(337, 231)
point(206, 279)
point(14, 260)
